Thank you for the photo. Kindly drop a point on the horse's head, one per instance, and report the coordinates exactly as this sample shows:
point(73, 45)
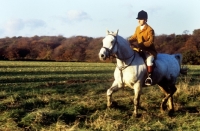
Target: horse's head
point(109, 45)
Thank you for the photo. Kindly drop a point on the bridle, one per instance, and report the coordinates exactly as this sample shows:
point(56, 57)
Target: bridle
point(109, 51)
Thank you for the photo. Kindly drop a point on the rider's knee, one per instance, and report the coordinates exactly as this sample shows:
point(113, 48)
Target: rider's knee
point(150, 60)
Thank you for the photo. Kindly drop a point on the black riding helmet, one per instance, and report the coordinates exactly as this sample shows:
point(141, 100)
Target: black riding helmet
point(142, 15)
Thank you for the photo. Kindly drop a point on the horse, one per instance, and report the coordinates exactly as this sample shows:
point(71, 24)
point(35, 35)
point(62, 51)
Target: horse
point(131, 70)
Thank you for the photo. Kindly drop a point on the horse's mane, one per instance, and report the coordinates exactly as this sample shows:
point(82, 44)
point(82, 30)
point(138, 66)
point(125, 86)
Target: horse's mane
point(121, 39)
point(124, 46)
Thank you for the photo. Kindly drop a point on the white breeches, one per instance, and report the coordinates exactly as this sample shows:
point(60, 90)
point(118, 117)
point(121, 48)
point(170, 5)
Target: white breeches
point(149, 60)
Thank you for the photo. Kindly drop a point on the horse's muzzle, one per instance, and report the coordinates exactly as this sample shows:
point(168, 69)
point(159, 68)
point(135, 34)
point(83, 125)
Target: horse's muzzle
point(102, 56)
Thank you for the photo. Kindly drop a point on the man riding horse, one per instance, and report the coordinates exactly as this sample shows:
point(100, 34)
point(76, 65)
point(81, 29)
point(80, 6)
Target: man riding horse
point(144, 35)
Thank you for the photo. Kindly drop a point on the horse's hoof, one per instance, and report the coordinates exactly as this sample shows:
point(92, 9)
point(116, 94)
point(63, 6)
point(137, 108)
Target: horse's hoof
point(108, 108)
point(137, 115)
point(171, 113)
point(114, 104)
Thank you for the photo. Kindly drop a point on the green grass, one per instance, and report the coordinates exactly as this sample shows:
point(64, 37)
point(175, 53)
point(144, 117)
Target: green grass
point(72, 96)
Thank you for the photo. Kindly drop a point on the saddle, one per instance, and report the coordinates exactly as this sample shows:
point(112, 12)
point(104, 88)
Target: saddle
point(141, 53)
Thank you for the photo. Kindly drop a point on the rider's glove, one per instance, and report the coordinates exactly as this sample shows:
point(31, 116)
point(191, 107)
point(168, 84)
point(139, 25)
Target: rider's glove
point(141, 45)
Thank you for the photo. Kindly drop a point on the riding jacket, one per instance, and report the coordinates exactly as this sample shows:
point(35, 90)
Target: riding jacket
point(145, 37)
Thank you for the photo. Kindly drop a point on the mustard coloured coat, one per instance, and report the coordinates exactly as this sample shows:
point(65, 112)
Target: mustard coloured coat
point(145, 36)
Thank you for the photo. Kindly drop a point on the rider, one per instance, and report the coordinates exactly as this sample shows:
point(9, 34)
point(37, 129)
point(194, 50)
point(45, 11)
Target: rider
point(144, 35)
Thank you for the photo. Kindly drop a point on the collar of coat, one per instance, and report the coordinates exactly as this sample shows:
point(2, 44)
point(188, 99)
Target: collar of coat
point(145, 27)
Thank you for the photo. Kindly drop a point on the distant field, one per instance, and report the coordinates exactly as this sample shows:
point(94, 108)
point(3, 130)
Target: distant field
point(72, 96)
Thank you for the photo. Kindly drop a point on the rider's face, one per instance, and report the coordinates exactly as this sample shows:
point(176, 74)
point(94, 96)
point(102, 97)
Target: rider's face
point(142, 22)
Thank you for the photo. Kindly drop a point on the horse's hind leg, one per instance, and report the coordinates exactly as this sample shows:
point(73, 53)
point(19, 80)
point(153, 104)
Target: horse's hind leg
point(170, 101)
point(168, 91)
point(164, 100)
point(112, 89)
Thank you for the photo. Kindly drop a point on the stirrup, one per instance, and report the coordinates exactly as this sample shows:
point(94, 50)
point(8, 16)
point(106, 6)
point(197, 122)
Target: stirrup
point(148, 81)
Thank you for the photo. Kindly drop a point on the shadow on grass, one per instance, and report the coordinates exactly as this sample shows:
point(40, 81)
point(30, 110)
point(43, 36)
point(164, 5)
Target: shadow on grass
point(188, 109)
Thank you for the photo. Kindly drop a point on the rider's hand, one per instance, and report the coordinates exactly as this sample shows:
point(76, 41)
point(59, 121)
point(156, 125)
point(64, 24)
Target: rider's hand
point(141, 45)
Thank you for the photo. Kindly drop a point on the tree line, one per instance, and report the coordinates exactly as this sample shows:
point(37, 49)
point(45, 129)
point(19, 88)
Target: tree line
point(83, 48)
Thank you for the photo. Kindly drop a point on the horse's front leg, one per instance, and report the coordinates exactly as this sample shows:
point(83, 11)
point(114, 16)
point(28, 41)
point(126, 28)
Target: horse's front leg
point(112, 89)
point(137, 91)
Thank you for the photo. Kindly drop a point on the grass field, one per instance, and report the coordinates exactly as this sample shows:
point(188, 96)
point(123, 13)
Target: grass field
point(62, 96)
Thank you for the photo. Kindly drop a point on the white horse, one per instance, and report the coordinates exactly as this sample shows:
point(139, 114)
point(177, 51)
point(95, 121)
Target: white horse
point(131, 70)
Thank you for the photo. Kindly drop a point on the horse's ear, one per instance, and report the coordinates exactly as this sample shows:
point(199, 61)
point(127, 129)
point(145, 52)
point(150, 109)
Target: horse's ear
point(116, 33)
point(107, 32)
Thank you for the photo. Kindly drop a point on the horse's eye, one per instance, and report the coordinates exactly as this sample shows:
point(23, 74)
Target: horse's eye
point(112, 41)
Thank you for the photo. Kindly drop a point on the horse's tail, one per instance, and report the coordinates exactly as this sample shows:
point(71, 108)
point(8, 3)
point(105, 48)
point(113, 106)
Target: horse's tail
point(183, 69)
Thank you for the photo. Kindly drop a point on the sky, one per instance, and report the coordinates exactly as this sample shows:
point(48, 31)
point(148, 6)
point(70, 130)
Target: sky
point(92, 18)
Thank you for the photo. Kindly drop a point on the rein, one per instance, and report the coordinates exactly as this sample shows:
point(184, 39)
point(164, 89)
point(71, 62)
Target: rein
point(124, 67)
point(122, 59)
